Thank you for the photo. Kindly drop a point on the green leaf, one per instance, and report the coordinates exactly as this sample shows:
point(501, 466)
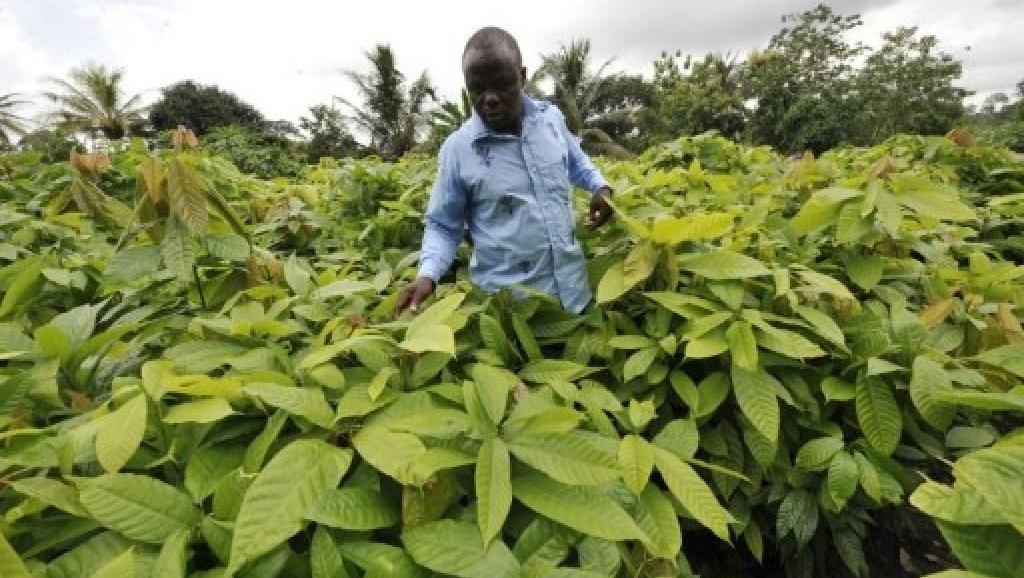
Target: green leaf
point(928, 383)
point(723, 264)
point(674, 230)
point(936, 204)
point(133, 263)
point(823, 324)
point(816, 454)
point(275, 505)
point(494, 337)
point(324, 557)
point(798, 513)
point(306, 402)
point(389, 452)
point(821, 209)
point(969, 437)
point(997, 473)
point(630, 342)
point(88, 557)
point(680, 437)
point(493, 386)
point(712, 391)
point(639, 363)
point(208, 410)
point(742, 345)
point(824, 284)
point(121, 567)
point(993, 550)
point(382, 560)
point(658, 520)
point(493, 484)
point(430, 338)
point(585, 509)
point(186, 194)
point(878, 414)
point(354, 509)
point(959, 504)
point(570, 458)
point(842, 479)
point(455, 548)
point(835, 389)
point(1008, 357)
point(639, 264)
point(756, 393)
point(526, 338)
point(636, 459)
point(342, 288)
point(553, 370)
point(613, 284)
point(788, 343)
point(117, 438)
point(138, 507)
point(171, 561)
point(177, 250)
point(869, 478)
point(11, 565)
point(52, 492)
point(865, 270)
point(23, 288)
point(693, 493)
point(207, 466)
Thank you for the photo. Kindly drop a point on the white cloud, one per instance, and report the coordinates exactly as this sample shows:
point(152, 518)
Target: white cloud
point(284, 57)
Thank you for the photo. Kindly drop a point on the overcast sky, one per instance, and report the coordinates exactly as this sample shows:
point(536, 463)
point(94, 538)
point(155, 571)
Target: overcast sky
point(286, 56)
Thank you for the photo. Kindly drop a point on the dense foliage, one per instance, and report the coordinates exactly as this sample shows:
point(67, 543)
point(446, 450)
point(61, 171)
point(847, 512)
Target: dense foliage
point(201, 375)
point(202, 108)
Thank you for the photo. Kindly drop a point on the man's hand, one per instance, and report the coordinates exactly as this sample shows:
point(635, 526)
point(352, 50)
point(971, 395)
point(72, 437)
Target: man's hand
point(600, 210)
point(413, 295)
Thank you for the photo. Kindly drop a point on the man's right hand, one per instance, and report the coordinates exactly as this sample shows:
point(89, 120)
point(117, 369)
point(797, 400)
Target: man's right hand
point(413, 295)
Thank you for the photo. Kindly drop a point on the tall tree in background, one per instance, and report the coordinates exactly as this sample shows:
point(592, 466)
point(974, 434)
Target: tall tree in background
point(907, 87)
point(447, 119)
point(804, 83)
point(624, 108)
point(697, 97)
point(11, 124)
point(202, 108)
point(93, 100)
point(328, 134)
point(392, 113)
point(577, 89)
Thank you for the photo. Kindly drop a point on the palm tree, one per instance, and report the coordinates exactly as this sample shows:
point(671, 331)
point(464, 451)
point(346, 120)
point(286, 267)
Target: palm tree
point(92, 99)
point(446, 120)
point(577, 89)
point(392, 114)
point(11, 124)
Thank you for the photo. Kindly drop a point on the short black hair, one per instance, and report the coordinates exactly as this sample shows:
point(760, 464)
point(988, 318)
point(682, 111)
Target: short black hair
point(492, 37)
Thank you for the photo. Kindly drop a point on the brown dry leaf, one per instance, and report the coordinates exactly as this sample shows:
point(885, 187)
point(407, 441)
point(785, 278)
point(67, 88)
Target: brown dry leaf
point(1009, 323)
point(183, 138)
point(961, 136)
point(937, 312)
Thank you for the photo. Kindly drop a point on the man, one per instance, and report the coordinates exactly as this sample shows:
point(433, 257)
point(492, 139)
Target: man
point(506, 173)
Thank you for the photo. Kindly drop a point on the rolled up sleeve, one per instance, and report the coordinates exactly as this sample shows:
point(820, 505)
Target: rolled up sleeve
point(445, 218)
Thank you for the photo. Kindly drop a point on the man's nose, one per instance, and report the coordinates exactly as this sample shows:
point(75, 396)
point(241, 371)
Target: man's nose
point(491, 99)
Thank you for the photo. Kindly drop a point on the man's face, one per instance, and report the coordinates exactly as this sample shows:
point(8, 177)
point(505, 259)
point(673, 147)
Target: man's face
point(494, 80)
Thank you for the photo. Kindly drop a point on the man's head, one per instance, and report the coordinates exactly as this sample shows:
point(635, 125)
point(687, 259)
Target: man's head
point(493, 69)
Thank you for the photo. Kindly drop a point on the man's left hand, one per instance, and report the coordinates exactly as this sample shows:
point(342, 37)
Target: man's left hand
point(600, 209)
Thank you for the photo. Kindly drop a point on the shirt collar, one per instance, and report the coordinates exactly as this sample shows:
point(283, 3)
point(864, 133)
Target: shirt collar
point(479, 129)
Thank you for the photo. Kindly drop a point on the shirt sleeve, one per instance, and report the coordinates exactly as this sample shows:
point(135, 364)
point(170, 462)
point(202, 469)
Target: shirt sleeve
point(582, 171)
point(445, 218)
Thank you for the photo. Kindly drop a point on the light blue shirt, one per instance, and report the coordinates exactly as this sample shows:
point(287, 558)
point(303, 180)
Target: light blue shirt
point(514, 194)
